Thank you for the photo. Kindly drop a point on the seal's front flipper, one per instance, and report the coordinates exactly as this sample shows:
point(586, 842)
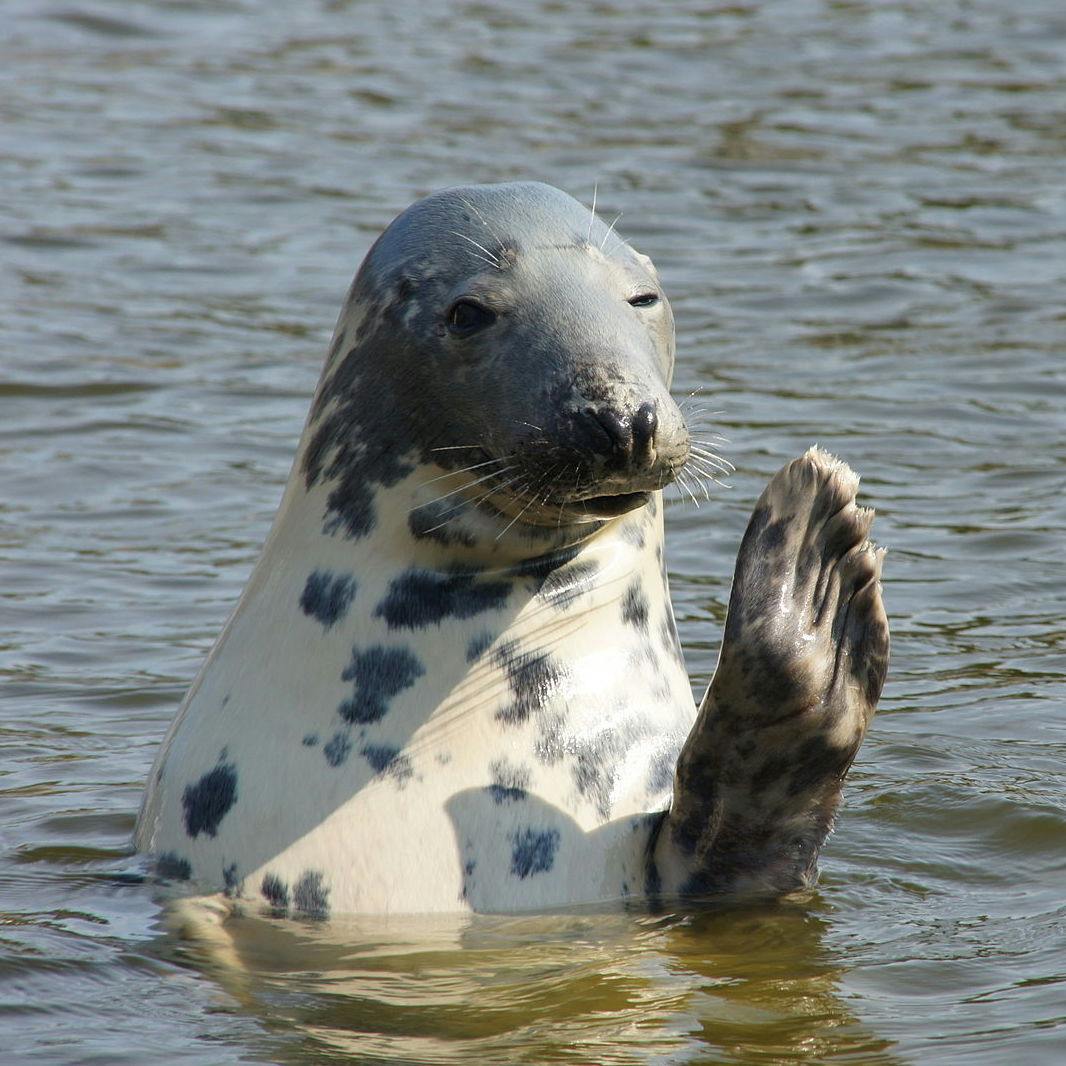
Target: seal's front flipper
point(801, 668)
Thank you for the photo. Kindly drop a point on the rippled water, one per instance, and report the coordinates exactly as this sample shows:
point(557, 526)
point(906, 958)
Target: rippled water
point(859, 210)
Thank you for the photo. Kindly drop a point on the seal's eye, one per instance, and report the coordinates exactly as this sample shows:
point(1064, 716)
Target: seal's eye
point(467, 317)
point(644, 299)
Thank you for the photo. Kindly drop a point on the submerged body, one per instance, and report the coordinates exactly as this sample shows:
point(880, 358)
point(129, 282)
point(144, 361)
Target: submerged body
point(454, 679)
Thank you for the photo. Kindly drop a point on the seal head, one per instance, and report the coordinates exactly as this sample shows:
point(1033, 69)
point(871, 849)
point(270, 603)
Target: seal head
point(504, 328)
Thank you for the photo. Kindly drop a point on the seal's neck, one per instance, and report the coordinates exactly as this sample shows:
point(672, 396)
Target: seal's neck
point(396, 650)
point(422, 558)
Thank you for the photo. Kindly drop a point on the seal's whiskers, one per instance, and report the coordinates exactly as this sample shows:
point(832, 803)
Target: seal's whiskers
point(461, 470)
point(702, 483)
point(488, 257)
point(462, 488)
point(683, 483)
point(702, 475)
point(546, 480)
point(706, 444)
point(715, 462)
point(709, 458)
point(610, 230)
point(523, 422)
point(458, 509)
point(492, 233)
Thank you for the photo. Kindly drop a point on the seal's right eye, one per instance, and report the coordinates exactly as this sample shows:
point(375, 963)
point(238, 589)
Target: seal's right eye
point(466, 317)
point(644, 299)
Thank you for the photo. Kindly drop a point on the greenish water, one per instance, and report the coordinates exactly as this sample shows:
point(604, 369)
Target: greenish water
point(859, 212)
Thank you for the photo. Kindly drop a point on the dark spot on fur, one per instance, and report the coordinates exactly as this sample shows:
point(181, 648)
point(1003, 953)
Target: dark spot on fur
point(737, 616)
point(437, 521)
point(806, 562)
point(774, 534)
point(386, 760)
point(173, 867)
point(596, 757)
point(379, 675)
point(207, 802)
point(592, 772)
point(478, 646)
point(541, 567)
point(635, 606)
point(406, 287)
point(697, 773)
point(275, 892)
point(420, 598)
point(760, 519)
point(327, 597)
point(337, 748)
point(745, 746)
point(874, 651)
point(359, 441)
point(653, 505)
point(754, 579)
point(510, 783)
point(818, 762)
point(777, 682)
point(533, 851)
point(533, 677)
point(468, 870)
point(653, 882)
point(231, 879)
point(661, 771)
point(551, 745)
point(775, 769)
point(310, 897)
point(310, 740)
point(671, 640)
point(565, 585)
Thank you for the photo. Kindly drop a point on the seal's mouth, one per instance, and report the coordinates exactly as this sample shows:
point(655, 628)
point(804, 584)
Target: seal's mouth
point(545, 488)
point(614, 505)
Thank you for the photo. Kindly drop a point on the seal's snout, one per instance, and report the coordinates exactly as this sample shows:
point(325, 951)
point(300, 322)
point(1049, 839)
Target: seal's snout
point(625, 437)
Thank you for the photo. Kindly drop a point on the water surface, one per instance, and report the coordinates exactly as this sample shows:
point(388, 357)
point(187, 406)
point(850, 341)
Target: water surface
point(859, 212)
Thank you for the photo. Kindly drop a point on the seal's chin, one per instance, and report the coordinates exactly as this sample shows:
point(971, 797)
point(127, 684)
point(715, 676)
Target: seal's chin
point(566, 510)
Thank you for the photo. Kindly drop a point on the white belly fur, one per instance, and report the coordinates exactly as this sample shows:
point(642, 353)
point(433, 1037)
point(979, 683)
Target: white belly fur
point(431, 832)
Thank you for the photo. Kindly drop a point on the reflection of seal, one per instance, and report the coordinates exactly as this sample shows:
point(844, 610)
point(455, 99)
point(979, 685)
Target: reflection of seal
point(454, 678)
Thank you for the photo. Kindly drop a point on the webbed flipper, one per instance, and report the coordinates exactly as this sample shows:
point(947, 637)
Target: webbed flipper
point(802, 665)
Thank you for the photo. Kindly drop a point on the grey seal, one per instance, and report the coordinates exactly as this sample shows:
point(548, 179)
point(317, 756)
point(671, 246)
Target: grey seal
point(454, 679)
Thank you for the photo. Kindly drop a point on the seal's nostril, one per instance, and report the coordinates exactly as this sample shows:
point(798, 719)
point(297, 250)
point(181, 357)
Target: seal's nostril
point(645, 423)
point(621, 435)
point(616, 430)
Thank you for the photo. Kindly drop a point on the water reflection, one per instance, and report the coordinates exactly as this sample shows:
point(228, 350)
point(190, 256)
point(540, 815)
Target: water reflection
point(737, 983)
